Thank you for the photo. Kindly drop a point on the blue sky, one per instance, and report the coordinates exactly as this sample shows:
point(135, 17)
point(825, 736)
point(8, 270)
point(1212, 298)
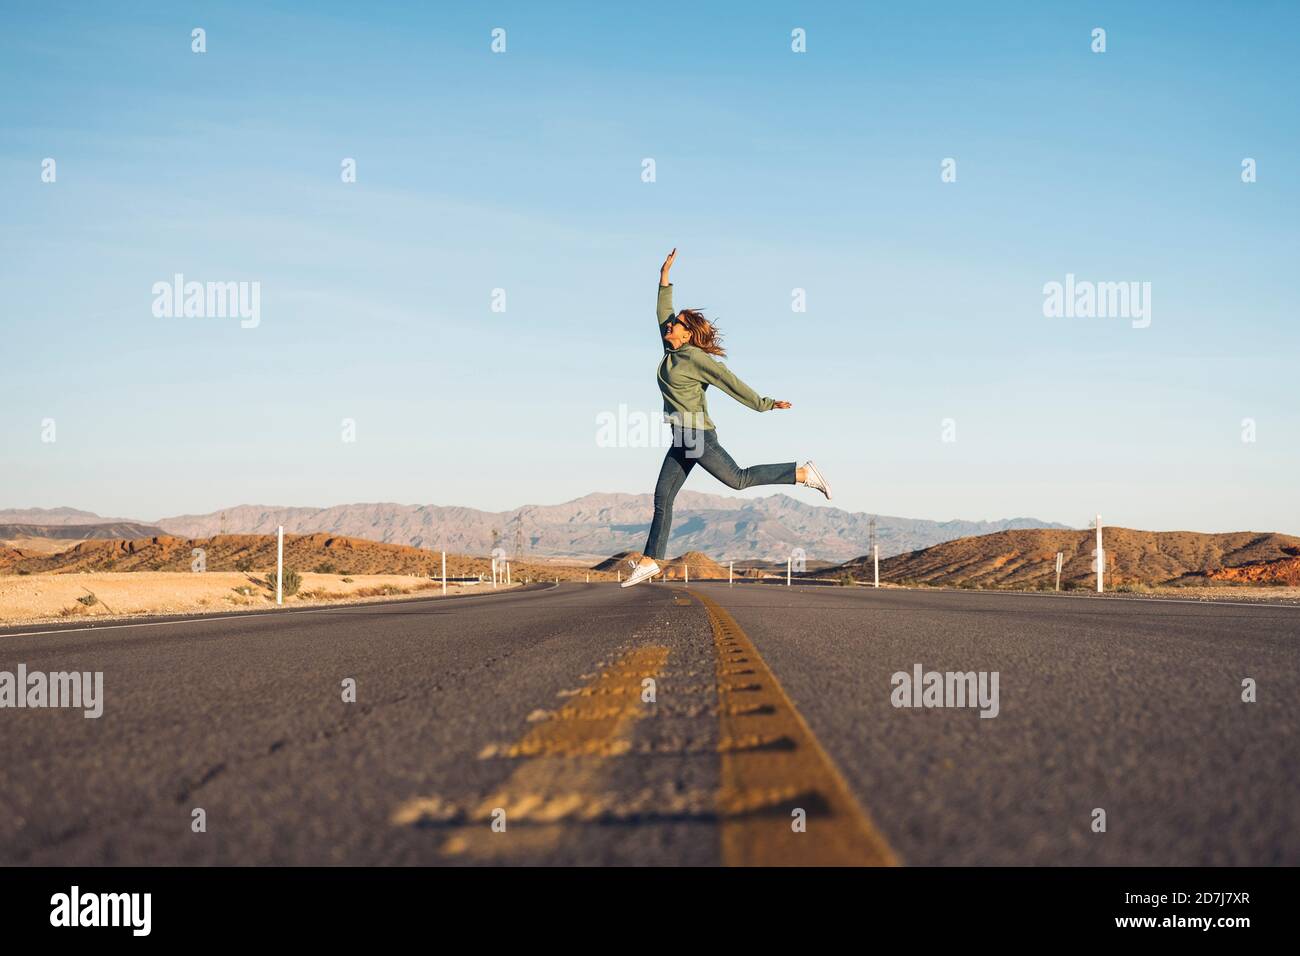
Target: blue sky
point(774, 171)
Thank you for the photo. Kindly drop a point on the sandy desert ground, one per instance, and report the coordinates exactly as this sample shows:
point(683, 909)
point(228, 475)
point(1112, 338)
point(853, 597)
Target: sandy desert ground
point(1239, 593)
point(44, 598)
point(1220, 593)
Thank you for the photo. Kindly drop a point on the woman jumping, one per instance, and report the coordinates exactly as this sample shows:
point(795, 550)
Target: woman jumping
point(689, 342)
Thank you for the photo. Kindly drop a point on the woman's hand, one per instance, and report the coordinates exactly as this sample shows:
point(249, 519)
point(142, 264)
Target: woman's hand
point(668, 264)
point(782, 405)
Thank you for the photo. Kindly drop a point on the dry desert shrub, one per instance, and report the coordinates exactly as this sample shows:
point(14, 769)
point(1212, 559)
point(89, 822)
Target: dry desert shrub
point(292, 582)
point(380, 591)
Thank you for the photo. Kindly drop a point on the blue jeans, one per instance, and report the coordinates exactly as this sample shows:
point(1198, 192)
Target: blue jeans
point(691, 445)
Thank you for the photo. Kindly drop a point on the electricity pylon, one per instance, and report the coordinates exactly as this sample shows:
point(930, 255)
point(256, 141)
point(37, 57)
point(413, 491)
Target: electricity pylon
point(519, 539)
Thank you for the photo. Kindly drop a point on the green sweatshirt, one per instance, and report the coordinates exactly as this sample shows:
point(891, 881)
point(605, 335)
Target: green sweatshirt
point(686, 372)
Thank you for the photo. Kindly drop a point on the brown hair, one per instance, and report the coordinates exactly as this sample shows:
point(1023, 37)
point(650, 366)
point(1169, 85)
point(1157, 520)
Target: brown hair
point(704, 334)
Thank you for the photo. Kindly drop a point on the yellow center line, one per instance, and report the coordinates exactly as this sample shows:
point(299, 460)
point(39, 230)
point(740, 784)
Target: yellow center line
point(569, 754)
point(779, 780)
point(770, 765)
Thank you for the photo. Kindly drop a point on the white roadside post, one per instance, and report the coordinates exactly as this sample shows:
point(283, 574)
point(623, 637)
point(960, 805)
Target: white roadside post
point(730, 569)
point(686, 570)
point(279, 565)
point(444, 574)
point(508, 581)
point(1059, 558)
point(1101, 558)
point(787, 572)
point(875, 560)
point(494, 573)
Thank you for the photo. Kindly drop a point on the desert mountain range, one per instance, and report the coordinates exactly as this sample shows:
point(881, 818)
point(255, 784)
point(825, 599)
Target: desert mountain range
point(1008, 559)
point(593, 526)
point(320, 553)
point(1027, 559)
point(79, 532)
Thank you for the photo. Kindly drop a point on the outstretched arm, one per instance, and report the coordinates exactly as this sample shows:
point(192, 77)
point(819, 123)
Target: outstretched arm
point(664, 307)
point(714, 372)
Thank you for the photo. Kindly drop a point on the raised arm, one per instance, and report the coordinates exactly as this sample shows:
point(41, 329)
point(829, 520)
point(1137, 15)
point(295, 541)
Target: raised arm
point(664, 307)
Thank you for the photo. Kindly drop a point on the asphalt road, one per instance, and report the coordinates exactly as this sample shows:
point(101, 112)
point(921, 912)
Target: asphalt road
point(534, 710)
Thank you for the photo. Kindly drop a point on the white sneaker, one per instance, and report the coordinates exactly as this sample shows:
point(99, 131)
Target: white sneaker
point(813, 479)
point(640, 573)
